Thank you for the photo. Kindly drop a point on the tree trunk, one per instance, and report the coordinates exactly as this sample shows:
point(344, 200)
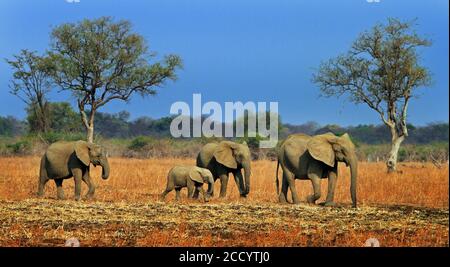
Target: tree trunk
point(90, 128)
point(44, 120)
point(88, 124)
point(393, 153)
point(42, 114)
point(90, 134)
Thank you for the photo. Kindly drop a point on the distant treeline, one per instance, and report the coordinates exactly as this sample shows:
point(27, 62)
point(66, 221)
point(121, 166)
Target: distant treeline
point(119, 125)
point(146, 137)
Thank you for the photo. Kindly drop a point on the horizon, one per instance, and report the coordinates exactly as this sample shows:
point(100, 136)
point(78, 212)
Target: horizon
point(240, 50)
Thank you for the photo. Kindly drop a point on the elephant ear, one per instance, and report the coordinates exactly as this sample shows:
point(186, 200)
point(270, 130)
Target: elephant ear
point(321, 149)
point(224, 155)
point(195, 175)
point(82, 152)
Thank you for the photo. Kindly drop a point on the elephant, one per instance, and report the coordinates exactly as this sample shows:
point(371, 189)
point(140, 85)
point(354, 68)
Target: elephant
point(315, 157)
point(191, 177)
point(64, 160)
point(227, 157)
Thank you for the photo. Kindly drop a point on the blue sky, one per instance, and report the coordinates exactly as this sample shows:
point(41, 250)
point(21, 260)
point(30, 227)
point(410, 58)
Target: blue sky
point(237, 50)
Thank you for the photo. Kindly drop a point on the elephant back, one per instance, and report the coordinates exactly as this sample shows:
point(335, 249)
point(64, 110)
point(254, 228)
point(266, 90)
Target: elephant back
point(295, 145)
point(205, 155)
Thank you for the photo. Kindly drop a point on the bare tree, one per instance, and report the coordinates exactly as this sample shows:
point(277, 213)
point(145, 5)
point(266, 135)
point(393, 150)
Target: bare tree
point(31, 84)
point(101, 60)
point(381, 70)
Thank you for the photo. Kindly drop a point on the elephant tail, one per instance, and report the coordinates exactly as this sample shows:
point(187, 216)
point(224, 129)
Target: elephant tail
point(276, 178)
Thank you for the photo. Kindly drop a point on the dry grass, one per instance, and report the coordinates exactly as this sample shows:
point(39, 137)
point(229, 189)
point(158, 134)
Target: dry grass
point(125, 211)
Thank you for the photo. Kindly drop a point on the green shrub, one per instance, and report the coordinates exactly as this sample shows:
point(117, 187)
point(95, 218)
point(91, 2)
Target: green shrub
point(402, 154)
point(20, 147)
point(252, 142)
point(140, 142)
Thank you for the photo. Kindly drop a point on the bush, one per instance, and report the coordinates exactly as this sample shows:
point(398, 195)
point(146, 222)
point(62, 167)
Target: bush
point(252, 142)
point(21, 147)
point(140, 142)
point(402, 154)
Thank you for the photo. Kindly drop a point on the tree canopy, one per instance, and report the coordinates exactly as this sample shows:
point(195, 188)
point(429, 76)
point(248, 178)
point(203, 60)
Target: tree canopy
point(31, 83)
point(382, 70)
point(101, 60)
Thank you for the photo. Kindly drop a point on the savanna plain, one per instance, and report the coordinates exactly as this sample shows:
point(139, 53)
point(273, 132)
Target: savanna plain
point(405, 208)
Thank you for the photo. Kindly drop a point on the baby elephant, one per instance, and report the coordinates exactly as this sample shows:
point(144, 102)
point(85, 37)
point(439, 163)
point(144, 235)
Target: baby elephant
point(191, 177)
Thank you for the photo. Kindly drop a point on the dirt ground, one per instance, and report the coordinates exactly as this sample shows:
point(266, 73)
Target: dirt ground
point(409, 208)
point(50, 223)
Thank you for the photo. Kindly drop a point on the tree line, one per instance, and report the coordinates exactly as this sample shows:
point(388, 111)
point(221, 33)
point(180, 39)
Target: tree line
point(64, 119)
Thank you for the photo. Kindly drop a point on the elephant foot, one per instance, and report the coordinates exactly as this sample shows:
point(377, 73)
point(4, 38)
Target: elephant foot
point(282, 199)
point(40, 195)
point(328, 204)
point(89, 196)
point(243, 195)
point(78, 198)
point(311, 199)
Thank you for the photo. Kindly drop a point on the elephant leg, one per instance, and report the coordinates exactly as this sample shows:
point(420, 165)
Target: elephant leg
point(78, 176)
point(196, 193)
point(164, 194)
point(332, 179)
point(42, 181)
point(290, 178)
point(89, 183)
point(223, 185)
point(178, 195)
point(240, 183)
point(284, 190)
point(315, 180)
point(191, 189)
point(59, 189)
point(170, 186)
point(202, 191)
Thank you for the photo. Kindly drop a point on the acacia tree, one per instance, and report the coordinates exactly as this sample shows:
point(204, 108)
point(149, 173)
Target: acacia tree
point(31, 84)
point(381, 70)
point(101, 60)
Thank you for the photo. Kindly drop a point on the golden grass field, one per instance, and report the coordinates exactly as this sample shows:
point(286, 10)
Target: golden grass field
point(407, 208)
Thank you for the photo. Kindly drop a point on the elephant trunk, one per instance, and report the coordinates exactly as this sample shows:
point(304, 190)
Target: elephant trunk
point(210, 191)
point(247, 174)
point(105, 168)
point(353, 163)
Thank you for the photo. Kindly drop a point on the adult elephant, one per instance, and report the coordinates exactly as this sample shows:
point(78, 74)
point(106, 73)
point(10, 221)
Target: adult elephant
point(315, 157)
point(64, 160)
point(224, 158)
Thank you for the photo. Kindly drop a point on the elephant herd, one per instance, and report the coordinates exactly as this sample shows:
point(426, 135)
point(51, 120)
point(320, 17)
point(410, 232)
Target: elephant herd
point(300, 156)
